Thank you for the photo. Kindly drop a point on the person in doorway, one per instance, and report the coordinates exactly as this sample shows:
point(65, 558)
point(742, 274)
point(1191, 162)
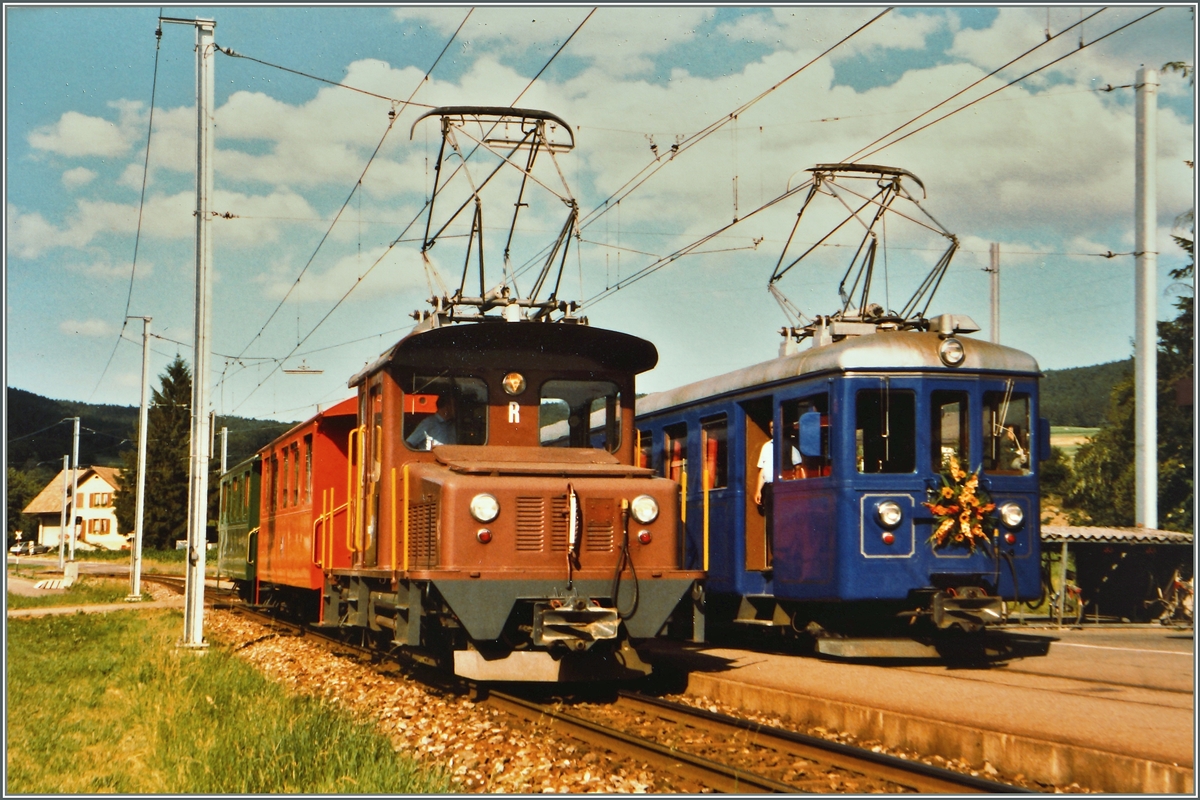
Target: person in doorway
point(436, 429)
point(766, 467)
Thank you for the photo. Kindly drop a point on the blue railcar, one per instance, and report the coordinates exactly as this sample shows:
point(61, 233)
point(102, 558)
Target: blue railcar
point(870, 420)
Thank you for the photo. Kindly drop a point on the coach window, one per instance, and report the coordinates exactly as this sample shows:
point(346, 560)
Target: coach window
point(948, 429)
point(1006, 433)
point(675, 452)
point(444, 410)
point(885, 428)
point(806, 436)
point(295, 473)
point(713, 438)
point(283, 479)
point(273, 481)
point(308, 443)
point(580, 414)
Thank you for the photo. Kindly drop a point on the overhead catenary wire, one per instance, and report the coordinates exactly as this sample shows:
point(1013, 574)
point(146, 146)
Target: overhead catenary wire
point(853, 156)
point(1014, 81)
point(657, 163)
point(392, 117)
point(389, 248)
point(662, 262)
point(141, 208)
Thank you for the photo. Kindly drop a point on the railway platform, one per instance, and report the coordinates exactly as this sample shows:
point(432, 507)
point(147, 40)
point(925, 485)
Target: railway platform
point(1110, 709)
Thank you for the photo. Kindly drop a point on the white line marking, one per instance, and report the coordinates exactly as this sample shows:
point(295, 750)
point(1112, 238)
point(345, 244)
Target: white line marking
point(1124, 649)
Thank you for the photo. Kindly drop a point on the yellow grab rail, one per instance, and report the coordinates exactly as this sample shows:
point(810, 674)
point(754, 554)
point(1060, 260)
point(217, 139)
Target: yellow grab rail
point(393, 498)
point(406, 517)
point(704, 479)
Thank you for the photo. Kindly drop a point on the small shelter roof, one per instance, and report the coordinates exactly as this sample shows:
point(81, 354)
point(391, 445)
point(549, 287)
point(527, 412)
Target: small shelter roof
point(49, 499)
point(1057, 534)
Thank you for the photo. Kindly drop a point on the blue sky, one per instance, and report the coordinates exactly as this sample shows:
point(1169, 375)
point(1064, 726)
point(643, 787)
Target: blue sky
point(1044, 167)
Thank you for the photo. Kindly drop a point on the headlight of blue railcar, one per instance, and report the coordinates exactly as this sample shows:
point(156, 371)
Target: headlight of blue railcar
point(1011, 515)
point(889, 514)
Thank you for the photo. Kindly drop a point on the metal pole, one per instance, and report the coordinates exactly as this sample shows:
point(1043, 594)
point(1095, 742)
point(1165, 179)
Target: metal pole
point(1146, 339)
point(1062, 583)
point(224, 448)
point(135, 568)
point(62, 529)
point(74, 485)
point(995, 274)
point(193, 618)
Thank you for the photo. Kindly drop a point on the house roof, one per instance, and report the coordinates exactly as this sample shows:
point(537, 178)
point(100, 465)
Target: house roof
point(1057, 534)
point(49, 499)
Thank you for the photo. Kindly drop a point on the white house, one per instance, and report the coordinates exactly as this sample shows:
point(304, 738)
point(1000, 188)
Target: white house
point(95, 514)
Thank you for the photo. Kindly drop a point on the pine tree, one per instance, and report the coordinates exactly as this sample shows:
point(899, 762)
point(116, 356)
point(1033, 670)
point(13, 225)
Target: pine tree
point(167, 463)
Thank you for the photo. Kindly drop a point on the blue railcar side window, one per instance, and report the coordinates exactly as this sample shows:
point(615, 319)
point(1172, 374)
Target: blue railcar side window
point(949, 428)
point(645, 448)
point(806, 431)
point(885, 431)
point(714, 444)
point(1006, 433)
point(675, 452)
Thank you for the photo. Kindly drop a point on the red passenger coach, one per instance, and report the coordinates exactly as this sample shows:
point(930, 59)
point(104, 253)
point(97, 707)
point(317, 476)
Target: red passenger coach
point(303, 508)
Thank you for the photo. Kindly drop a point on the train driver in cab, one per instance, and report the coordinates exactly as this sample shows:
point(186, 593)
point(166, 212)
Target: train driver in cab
point(437, 428)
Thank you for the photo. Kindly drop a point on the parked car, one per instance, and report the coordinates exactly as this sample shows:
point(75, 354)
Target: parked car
point(29, 548)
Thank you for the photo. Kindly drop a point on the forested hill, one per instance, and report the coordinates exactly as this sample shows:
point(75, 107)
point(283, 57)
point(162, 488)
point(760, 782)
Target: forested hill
point(105, 431)
point(1079, 396)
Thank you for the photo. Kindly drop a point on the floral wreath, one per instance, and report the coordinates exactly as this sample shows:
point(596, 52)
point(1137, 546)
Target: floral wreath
point(962, 511)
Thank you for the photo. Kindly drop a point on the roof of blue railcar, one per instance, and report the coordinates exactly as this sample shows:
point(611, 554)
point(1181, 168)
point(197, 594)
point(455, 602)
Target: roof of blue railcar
point(884, 351)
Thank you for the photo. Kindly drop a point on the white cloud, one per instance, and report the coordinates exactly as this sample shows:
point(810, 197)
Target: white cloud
point(95, 328)
point(615, 40)
point(76, 135)
point(26, 234)
point(79, 176)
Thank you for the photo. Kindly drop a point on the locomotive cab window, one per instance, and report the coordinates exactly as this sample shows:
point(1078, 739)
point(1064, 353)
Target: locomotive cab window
point(1006, 433)
point(444, 410)
point(885, 428)
point(948, 427)
point(580, 414)
point(806, 434)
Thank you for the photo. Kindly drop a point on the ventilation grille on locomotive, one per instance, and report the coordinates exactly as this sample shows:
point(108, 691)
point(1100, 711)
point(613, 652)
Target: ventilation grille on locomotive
point(422, 534)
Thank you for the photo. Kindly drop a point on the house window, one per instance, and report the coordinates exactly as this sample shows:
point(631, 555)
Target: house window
point(99, 526)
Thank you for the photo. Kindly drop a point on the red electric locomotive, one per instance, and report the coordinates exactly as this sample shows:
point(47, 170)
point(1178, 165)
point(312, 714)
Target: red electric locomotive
point(482, 505)
point(478, 502)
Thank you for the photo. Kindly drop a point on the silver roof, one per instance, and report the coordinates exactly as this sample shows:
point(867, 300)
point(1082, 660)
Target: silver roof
point(887, 350)
point(1056, 534)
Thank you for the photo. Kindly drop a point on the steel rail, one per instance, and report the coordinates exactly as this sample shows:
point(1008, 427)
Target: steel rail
point(718, 777)
point(914, 775)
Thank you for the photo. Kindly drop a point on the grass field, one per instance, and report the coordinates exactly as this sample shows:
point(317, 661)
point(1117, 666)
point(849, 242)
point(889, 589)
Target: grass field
point(88, 590)
point(108, 703)
point(1070, 439)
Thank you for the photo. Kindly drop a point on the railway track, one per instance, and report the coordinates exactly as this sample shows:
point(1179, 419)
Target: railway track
point(709, 751)
point(702, 750)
